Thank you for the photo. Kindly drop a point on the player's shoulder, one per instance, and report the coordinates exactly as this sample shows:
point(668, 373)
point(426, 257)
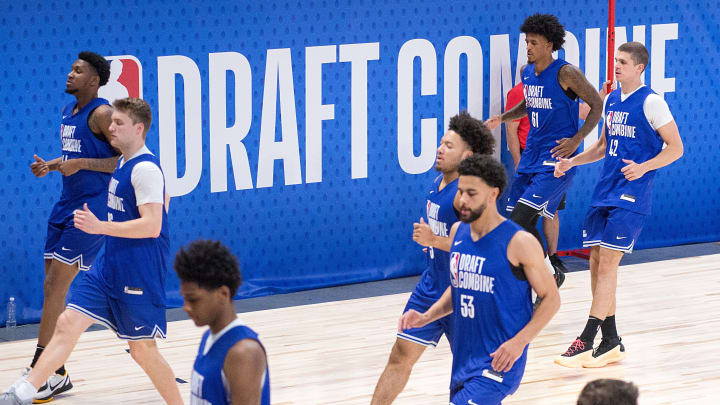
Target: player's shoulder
point(522, 241)
point(655, 100)
point(246, 351)
point(568, 70)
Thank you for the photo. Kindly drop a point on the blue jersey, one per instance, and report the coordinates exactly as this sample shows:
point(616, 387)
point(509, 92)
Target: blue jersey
point(208, 385)
point(490, 305)
point(629, 136)
point(85, 186)
point(552, 114)
point(133, 269)
point(440, 215)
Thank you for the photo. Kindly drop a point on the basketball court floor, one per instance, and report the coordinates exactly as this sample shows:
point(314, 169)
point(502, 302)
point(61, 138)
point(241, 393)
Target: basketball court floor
point(329, 346)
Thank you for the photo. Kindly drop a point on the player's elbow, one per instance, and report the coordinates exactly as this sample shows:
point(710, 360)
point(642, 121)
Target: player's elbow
point(680, 150)
point(552, 300)
point(154, 229)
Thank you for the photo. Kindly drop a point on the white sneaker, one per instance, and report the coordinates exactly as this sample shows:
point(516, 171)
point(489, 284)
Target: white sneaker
point(56, 384)
point(9, 397)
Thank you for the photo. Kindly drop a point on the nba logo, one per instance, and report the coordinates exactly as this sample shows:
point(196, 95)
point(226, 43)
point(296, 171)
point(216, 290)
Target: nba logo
point(609, 119)
point(125, 78)
point(454, 262)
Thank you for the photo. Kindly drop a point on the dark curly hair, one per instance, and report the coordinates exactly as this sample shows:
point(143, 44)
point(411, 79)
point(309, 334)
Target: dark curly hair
point(209, 264)
point(487, 168)
point(99, 63)
point(546, 25)
point(473, 132)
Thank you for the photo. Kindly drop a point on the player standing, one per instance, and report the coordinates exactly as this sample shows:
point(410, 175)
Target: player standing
point(637, 122)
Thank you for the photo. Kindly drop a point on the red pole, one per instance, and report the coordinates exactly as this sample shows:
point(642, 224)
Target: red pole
point(611, 44)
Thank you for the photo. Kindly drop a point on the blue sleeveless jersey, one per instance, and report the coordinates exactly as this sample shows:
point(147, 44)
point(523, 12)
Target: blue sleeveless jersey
point(85, 186)
point(490, 305)
point(552, 115)
point(208, 386)
point(629, 136)
point(133, 269)
point(440, 215)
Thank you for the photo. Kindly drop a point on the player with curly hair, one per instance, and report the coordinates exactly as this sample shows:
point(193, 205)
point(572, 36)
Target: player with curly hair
point(494, 264)
point(231, 364)
point(551, 88)
point(466, 136)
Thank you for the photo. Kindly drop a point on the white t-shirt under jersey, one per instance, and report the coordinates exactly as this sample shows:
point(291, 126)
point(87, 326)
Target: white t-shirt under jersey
point(655, 108)
point(147, 180)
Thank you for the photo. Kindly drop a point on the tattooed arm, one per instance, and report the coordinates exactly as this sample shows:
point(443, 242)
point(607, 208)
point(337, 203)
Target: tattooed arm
point(570, 77)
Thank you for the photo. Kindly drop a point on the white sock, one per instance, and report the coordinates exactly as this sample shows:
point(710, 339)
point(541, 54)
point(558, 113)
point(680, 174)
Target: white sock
point(24, 390)
point(549, 265)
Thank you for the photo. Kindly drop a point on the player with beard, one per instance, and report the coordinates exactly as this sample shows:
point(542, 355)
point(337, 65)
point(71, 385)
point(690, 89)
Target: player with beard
point(86, 164)
point(465, 136)
point(494, 264)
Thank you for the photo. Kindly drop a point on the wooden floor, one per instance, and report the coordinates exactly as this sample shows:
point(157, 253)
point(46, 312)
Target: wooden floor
point(333, 353)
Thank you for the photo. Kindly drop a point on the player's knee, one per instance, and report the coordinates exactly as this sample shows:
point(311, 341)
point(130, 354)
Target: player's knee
point(65, 323)
point(141, 350)
point(524, 216)
point(401, 356)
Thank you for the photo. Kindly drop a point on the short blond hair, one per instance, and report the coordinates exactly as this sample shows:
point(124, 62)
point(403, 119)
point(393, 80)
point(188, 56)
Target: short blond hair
point(137, 109)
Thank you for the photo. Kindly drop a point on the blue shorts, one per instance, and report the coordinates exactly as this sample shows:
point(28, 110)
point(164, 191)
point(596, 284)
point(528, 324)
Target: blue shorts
point(480, 391)
point(69, 245)
point(129, 321)
point(541, 191)
point(612, 228)
point(428, 335)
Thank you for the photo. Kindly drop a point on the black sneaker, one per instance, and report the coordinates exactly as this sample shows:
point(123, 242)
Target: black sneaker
point(560, 269)
point(557, 263)
point(610, 350)
point(559, 277)
point(579, 353)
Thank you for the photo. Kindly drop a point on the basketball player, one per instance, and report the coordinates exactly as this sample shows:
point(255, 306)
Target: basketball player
point(516, 132)
point(124, 289)
point(493, 266)
point(231, 364)
point(465, 136)
point(551, 87)
point(637, 122)
point(86, 163)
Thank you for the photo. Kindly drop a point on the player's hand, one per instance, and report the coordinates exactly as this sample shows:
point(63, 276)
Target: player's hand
point(69, 167)
point(565, 148)
point(86, 221)
point(493, 122)
point(603, 89)
point(633, 171)
point(506, 355)
point(562, 166)
point(422, 234)
point(411, 319)
point(39, 167)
